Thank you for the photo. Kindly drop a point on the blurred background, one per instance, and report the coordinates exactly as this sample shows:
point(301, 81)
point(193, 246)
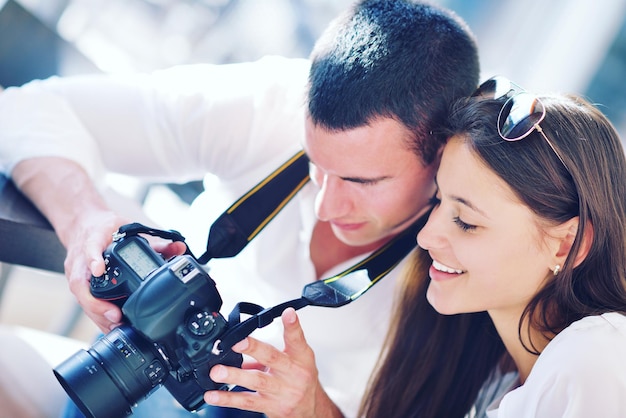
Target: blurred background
point(565, 45)
point(557, 45)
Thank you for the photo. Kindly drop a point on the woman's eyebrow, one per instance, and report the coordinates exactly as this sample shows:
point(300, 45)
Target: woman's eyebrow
point(463, 201)
point(469, 204)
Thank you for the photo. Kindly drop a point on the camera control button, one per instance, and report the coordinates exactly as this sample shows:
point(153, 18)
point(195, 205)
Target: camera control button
point(155, 372)
point(202, 323)
point(99, 281)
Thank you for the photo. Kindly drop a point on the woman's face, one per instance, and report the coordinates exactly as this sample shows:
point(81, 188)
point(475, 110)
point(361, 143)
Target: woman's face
point(488, 251)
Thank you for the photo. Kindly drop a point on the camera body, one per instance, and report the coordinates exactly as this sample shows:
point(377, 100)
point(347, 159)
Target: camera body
point(128, 262)
point(172, 326)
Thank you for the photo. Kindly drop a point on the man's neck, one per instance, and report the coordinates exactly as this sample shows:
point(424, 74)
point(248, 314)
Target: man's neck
point(327, 251)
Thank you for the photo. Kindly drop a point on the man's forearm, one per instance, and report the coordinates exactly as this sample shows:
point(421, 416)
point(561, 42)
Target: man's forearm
point(61, 190)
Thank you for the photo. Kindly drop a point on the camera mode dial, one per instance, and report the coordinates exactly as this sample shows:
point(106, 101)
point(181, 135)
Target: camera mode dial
point(202, 323)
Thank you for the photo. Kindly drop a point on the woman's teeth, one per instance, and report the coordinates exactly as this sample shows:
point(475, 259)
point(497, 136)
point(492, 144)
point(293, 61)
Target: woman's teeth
point(438, 266)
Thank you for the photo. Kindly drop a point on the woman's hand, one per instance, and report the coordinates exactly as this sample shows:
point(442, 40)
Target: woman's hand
point(288, 386)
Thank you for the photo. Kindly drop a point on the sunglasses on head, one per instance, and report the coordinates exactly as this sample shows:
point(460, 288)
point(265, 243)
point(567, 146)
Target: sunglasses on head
point(521, 113)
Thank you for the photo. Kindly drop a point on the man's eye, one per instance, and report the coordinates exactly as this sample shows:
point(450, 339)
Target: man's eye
point(364, 182)
point(314, 174)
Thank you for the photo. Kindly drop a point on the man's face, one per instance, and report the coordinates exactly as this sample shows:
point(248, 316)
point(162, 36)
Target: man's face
point(371, 185)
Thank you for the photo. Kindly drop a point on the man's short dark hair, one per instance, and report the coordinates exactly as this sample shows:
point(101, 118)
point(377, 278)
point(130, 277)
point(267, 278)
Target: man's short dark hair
point(392, 58)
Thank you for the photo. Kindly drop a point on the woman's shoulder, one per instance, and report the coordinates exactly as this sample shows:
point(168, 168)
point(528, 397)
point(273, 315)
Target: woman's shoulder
point(591, 330)
point(591, 345)
point(611, 321)
point(581, 372)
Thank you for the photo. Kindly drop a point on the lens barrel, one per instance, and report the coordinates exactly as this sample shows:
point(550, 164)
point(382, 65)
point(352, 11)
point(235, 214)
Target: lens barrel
point(107, 380)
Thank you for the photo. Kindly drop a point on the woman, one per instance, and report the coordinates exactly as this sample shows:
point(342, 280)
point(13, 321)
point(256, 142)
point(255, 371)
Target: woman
point(529, 226)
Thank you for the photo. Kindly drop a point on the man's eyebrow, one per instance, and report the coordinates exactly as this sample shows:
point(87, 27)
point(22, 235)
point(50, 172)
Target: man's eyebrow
point(361, 180)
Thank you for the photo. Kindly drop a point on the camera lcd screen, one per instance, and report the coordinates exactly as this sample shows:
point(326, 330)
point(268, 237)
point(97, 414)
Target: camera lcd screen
point(137, 259)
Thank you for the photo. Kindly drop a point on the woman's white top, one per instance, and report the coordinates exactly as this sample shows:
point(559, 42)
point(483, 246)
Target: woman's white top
point(581, 373)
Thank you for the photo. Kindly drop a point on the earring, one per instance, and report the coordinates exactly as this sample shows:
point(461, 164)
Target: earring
point(557, 268)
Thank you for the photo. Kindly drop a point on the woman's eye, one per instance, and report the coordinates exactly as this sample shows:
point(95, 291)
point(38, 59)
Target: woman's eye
point(464, 226)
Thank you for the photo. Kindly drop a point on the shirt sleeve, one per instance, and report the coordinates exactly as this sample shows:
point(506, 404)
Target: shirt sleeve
point(582, 373)
point(172, 125)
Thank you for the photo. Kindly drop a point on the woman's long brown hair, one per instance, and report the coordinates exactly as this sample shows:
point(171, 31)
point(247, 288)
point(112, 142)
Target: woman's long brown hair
point(432, 365)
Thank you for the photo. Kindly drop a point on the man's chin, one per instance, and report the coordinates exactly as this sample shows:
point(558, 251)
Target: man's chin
point(359, 240)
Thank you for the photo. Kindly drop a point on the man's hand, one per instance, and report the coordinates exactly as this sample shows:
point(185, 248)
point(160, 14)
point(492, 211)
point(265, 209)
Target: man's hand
point(289, 386)
point(85, 241)
point(84, 223)
point(90, 236)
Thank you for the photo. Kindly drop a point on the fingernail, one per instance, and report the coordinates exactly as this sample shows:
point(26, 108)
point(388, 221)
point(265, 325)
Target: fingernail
point(241, 345)
point(211, 397)
point(218, 373)
point(111, 316)
point(290, 316)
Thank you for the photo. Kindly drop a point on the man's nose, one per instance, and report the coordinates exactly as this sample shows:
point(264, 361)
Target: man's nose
point(332, 201)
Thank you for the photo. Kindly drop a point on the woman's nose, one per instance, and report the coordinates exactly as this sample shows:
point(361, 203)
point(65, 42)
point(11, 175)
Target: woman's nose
point(431, 235)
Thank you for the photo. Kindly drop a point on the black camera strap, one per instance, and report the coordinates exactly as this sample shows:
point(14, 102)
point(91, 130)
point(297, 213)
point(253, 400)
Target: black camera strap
point(334, 291)
point(244, 219)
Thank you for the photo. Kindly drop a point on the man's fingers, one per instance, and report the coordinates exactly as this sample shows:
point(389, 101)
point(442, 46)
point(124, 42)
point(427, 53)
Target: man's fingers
point(170, 249)
point(93, 258)
point(255, 380)
point(286, 387)
point(247, 401)
point(104, 314)
point(296, 347)
point(262, 352)
point(295, 342)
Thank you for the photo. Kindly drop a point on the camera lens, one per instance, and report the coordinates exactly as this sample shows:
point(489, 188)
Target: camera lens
point(118, 370)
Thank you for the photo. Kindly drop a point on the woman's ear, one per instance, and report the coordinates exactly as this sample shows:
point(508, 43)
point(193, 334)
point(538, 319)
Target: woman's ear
point(568, 234)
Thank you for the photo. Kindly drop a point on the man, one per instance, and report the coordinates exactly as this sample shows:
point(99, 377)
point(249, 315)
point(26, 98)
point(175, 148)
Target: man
point(365, 108)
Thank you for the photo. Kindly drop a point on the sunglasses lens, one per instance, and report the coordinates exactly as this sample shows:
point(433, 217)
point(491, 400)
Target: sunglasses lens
point(519, 115)
point(494, 88)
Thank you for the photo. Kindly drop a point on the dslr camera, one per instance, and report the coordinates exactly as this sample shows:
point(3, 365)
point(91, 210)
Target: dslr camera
point(170, 336)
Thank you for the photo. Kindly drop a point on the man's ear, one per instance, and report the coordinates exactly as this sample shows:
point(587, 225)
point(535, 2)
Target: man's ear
point(568, 234)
